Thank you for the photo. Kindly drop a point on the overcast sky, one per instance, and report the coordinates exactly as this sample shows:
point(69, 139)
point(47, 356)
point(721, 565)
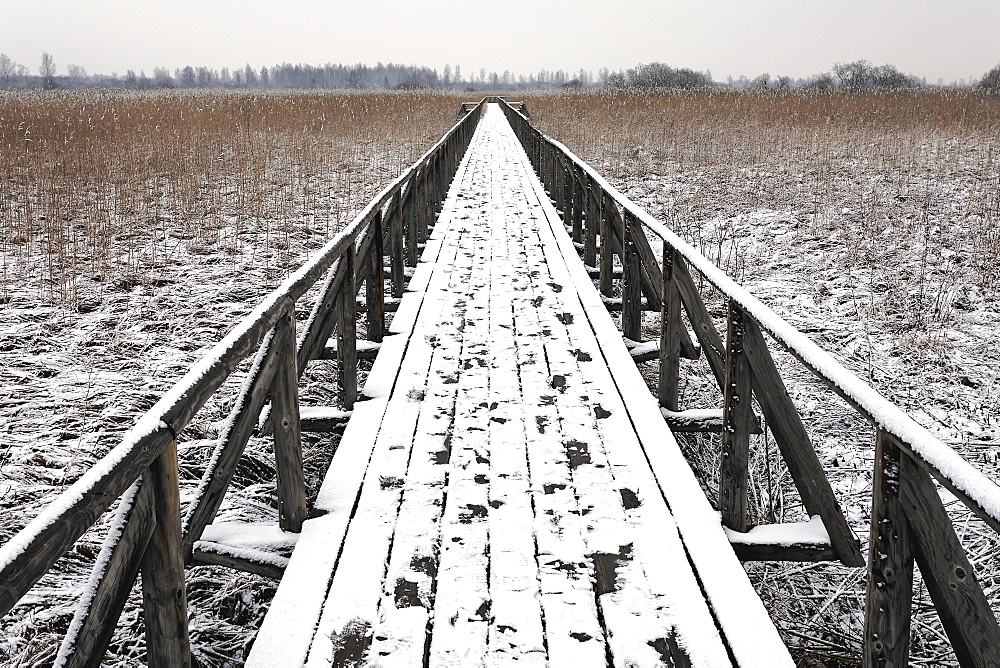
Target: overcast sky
point(949, 39)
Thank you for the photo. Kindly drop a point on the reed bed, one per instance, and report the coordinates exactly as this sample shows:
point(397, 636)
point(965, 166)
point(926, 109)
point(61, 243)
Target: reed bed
point(870, 223)
point(100, 185)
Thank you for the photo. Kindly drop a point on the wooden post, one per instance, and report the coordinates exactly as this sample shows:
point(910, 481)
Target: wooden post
point(287, 433)
point(396, 259)
point(790, 435)
point(375, 284)
point(164, 597)
point(99, 615)
point(631, 287)
point(409, 210)
point(578, 190)
point(958, 597)
point(890, 565)
point(607, 259)
point(347, 351)
point(737, 416)
point(670, 328)
point(593, 216)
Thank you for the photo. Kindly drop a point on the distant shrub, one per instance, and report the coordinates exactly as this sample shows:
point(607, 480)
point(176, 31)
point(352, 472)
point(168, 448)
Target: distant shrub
point(862, 75)
point(658, 75)
point(990, 83)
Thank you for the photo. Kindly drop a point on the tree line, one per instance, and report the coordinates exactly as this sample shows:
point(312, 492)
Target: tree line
point(851, 76)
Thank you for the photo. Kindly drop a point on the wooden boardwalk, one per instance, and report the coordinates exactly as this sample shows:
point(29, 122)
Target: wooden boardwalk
point(504, 492)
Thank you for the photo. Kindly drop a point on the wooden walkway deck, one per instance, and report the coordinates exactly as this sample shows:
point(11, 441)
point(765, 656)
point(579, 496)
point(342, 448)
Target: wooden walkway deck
point(504, 492)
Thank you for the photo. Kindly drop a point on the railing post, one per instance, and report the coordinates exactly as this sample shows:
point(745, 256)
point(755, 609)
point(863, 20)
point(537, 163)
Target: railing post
point(396, 259)
point(737, 413)
point(291, 488)
point(670, 333)
point(375, 283)
point(164, 596)
point(607, 259)
point(631, 284)
point(890, 565)
point(409, 207)
point(347, 352)
point(578, 192)
point(593, 216)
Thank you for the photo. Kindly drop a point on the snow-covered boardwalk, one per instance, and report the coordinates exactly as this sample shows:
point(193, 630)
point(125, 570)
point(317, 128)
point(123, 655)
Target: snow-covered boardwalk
point(508, 491)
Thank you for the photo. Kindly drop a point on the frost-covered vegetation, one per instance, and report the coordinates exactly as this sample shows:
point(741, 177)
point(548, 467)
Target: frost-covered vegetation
point(869, 221)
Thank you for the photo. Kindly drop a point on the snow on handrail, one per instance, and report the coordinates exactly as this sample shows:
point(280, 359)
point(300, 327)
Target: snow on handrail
point(972, 486)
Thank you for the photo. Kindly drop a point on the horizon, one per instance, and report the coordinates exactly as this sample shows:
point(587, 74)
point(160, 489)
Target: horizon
point(936, 41)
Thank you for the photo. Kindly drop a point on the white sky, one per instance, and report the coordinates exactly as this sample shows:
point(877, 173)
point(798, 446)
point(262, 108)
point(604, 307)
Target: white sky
point(948, 39)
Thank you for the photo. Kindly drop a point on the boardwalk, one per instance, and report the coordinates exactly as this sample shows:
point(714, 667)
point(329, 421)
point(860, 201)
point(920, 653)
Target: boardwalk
point(508, 511)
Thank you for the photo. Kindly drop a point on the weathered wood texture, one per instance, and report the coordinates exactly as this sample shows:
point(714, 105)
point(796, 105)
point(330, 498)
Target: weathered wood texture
point(737, 414)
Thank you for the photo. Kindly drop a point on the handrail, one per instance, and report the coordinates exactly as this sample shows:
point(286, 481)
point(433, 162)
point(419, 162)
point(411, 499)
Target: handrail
point(354, 255)
point(909, 522)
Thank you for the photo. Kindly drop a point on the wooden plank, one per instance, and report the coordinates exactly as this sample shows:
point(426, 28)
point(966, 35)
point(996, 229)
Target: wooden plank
point(226, 456)
point(401, 635)
point(110, 582)
point(951, 581)
point(291, 487)
point(790, 434)
point(670, 335)
point(375, 285)
point(737, 414)
point(516, 629)
point(889, 593)
point(164, 596)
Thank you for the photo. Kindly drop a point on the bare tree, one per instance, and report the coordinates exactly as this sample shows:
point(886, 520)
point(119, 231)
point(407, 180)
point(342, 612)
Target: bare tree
point(48, 71)
point(8, 68)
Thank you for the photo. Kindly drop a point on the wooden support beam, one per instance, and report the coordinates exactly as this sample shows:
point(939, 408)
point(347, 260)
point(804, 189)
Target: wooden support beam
point(114, 575)
point(592, 219)
point(607, 258)
point(670, 334)
point(958, 597)
point(216, 554)
point(375, 284)
point(701, 322)
point(890, 565)
point(164, 596)
point(396, 259)
point(737, 414)
point(347, 335)
point(790, 434)
point(291, 488)
point(631, 287)
point(747, 552)
point(222, 465)
point(577, 198)
point(322, 320)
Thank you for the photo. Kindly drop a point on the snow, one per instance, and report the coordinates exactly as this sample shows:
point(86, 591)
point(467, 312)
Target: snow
point(811, 533)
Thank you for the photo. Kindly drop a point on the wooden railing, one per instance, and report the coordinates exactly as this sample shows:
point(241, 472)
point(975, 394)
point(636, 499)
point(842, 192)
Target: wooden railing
point(148, 533)
point(908, 520)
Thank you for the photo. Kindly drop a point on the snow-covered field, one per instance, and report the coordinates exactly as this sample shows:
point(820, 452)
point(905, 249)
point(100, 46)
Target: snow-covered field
point(870, 224)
